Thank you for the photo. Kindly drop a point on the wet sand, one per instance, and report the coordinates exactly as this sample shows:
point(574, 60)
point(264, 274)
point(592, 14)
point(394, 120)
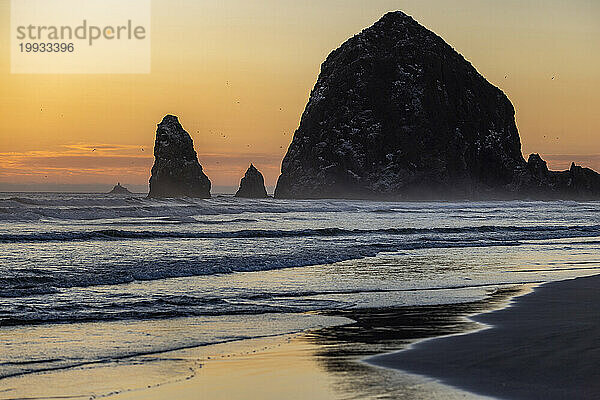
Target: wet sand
point(292, 367)
point(282, 367)
point(326, 364)
point(320, 364)
point(546, 345)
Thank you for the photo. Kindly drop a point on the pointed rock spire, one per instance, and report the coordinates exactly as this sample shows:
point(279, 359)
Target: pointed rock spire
point(176, 171)
point(252, 185)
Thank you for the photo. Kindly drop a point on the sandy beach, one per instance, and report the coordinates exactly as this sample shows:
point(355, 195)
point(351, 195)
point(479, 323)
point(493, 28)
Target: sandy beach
point(520, 342)
point(545, 345)
point(318, 364)
point(124, 319)
point(290, 367)
point(542, 344)
point(291, 200)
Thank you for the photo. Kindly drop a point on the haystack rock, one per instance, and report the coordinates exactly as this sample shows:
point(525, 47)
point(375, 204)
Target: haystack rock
point(396, 113)
point(176, 171)
point(252, 185)
point(119, 190)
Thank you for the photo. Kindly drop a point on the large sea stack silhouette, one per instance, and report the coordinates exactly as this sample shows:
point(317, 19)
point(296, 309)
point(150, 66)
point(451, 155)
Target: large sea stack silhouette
point(396, 113)
point(252, 185)
point(176, 171)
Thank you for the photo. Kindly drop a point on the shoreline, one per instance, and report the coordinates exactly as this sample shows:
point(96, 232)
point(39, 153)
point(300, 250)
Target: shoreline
point(323, 363)
point(541, 345)
point(336, 352)
point(326, 355)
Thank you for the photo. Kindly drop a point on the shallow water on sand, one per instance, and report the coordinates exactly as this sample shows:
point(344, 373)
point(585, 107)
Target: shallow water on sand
point(92, 278)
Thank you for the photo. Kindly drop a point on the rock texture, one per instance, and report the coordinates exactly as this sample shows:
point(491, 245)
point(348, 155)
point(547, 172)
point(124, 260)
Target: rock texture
point(176, 171)
point(252, 185)
point(576, 183)
point(118, 189)
point(396, 113)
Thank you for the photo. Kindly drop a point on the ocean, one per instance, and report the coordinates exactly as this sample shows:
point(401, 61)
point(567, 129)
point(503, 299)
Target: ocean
point(93, 278)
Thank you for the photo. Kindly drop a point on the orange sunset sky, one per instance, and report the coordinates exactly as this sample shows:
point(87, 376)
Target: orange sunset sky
point(238, 74)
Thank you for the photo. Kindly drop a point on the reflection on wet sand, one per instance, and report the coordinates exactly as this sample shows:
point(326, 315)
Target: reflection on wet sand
point(320, 364)
point(340, 349)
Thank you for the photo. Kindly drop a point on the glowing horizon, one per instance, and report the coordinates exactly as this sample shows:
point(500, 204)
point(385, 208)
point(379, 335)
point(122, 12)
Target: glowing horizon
point(238, 76)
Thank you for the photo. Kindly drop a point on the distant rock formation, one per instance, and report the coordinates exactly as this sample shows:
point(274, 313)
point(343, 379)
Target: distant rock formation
point(576, 183)
point(396, 113)
point(176, 171)
point(252, 185)
point(119, 189)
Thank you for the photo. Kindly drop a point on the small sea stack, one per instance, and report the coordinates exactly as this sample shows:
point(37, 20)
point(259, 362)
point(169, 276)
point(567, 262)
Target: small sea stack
point(252, 185)
point(176, 171)
point(119, 190)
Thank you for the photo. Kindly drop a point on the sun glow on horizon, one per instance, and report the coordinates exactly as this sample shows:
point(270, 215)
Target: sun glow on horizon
point(238, 75)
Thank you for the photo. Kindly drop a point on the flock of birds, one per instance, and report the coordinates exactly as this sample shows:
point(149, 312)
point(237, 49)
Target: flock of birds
point(222, 135)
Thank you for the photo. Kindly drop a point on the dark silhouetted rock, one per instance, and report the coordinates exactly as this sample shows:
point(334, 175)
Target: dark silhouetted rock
point(118, 189)
point(252, 185)
point(581, 183)
point(538, 168)
point(396, 113)
point(536, 181)
point(176, 171)
point(535, 176)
